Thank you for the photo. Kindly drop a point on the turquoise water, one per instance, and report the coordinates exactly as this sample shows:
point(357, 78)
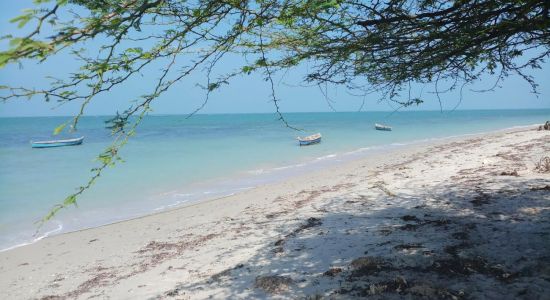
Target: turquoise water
point(174, 161)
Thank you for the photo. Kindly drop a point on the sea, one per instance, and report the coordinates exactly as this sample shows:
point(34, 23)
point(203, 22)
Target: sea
point(173, 161)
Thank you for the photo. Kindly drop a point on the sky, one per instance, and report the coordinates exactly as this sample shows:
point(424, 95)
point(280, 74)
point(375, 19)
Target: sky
point(246, 94)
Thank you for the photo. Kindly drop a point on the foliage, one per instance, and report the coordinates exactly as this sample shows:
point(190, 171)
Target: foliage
point(367, 46)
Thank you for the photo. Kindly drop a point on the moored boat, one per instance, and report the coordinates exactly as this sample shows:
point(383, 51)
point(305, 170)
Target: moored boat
point(382, 127)
point(57, 143)
point(310, 139)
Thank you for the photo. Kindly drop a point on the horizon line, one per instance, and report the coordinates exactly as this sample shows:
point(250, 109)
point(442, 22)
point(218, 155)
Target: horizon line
point(292, 112)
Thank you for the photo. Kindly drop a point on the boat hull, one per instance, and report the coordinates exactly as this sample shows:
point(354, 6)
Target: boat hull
point(60, 143)
point(382, 127)
point(311, 142)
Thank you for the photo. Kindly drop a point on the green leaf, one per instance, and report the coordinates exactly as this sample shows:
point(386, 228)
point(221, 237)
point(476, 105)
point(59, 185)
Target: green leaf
point(4, 58)
point(22, 19)
point(70, 200)
point(59, 128)
point(247, 69)
point(213, 86)
point(15, 42)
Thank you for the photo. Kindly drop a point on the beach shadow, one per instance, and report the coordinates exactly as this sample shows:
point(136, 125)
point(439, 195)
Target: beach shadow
point(449, 242)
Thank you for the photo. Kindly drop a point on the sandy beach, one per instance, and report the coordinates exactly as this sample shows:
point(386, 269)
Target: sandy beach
point(461, 218)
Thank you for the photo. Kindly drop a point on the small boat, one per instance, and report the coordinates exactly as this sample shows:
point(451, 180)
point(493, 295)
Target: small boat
point(310, 139)
point(57, 143)
point(382, 127)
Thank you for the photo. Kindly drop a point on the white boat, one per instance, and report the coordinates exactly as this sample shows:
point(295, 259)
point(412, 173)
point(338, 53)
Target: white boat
point(57, 143)
point(310, 139)
point(382, 127)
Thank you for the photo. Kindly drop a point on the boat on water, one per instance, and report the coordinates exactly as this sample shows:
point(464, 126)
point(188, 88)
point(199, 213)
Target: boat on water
point(57, 143)
point(310, 139)
point(382, 127)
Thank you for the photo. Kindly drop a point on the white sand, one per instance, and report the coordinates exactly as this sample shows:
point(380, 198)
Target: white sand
point(437, 221)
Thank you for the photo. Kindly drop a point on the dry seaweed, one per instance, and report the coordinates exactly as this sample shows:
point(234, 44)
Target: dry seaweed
point(273, 284)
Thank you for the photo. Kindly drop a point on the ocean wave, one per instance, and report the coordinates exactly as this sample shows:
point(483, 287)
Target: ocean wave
point(183, 195)
point(327, 156)
point(47, 233)
point(245, 188)
point(167, 206)
point(256, 172)
point(167, 193)
point(358, 150)
point(289, 167)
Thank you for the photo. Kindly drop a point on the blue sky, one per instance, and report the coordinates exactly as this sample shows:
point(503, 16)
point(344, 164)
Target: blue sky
point(247, 94)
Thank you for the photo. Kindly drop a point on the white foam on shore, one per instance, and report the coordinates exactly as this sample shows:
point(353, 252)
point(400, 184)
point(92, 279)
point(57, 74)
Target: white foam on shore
point(44, 235)
point(245, 188)
point(163, 207)
point(200, 195)
point(289, 167)
point(48, 233)
point(326, 156)
point(281, 168)
point(183, 195)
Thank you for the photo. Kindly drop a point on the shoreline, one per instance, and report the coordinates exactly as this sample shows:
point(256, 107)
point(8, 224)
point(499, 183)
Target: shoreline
point(451, 218)
point(330, 161)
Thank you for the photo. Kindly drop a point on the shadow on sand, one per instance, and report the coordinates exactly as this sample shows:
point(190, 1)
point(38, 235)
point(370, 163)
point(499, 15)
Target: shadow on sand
point(450, 242)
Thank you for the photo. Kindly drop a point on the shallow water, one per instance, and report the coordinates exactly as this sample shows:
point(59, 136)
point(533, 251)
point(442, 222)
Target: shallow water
point(173, 161)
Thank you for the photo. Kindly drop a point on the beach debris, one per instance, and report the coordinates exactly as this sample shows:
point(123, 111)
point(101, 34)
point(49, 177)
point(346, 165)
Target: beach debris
point(273, 284)
point(410, 246)
point(332, 272)
point(441, 222)
point(543, 165)
point(541, 188)
point(462, 235)
point(410, 218)
point(178, 291)
point(546, 126)
point(458, 265)
point(52, 297)
point(225, 274)
point(221, 275)
point(481, 199)
point(272, 215)
point(509, 173)
point(310, 222)
point(431, 292)
point(397, 285)
point(400, 286)
point(380, 185)
point(367, 265)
